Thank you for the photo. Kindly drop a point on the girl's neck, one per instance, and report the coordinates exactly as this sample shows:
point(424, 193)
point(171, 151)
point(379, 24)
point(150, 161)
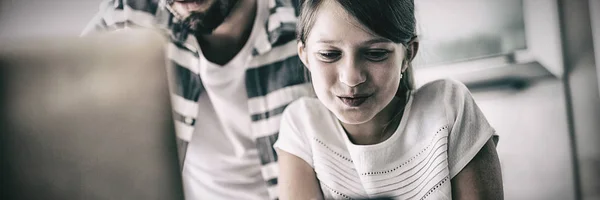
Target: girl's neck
point(381, 127)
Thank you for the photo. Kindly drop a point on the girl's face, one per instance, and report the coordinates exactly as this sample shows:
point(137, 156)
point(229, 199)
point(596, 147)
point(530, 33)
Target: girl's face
point(355, 73)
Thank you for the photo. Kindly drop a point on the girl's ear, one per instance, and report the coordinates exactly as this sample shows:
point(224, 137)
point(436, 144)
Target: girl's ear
point(413, 47)
point(411, 53)
point(302, 54)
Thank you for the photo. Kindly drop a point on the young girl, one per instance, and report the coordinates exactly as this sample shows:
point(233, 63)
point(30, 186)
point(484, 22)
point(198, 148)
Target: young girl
point(369, 134)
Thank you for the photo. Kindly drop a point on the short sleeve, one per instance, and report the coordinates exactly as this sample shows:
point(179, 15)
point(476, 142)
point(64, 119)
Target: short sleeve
point(116, 15)
point(290, 139)
point(98, 24)
point(469, 131)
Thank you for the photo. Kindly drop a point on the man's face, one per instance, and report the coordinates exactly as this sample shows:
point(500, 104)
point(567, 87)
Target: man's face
point(202, 16)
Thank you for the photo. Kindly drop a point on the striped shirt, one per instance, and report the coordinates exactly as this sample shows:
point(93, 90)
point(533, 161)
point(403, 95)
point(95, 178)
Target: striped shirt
point(275, 76)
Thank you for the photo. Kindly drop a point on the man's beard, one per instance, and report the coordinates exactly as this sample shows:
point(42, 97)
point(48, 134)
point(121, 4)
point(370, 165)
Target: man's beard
point(206, 22)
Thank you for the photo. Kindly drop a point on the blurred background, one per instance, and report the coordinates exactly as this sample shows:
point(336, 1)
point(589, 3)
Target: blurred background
point(530, 64)
point(37, 18)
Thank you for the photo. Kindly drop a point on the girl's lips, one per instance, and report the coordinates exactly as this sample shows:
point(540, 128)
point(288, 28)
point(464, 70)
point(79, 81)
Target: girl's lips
point(354, 101)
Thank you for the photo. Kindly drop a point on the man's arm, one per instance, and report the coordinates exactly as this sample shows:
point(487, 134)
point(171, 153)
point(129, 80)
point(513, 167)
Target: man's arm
point(119, 14)
point(481, 178)
point(97, 24)
point(297, 179)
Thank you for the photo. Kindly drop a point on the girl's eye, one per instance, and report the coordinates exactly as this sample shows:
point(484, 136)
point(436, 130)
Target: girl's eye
point(329, 56)
point(377, 55)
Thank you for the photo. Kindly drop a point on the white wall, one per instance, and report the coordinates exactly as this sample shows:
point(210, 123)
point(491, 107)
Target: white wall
point(36, 18)
point(534, 146)
point(538, 124)
point(583, 83)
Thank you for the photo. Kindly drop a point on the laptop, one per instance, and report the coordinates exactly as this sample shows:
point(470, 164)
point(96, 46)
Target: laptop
point(87, 118)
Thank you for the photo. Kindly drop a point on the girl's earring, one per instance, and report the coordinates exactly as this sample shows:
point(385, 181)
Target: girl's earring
point(401, 75)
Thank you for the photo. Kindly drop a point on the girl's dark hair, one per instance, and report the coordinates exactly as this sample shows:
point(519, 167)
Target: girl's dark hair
point(391, 19)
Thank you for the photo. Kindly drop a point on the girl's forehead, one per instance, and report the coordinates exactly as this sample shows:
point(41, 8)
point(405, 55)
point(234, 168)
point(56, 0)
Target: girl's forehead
point(335, 23)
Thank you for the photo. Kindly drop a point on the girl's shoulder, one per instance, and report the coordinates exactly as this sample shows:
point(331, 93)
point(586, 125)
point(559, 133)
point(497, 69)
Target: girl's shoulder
point(304, 119)
point(308, 114)
point(448, 94)
point(305, 106)
point(441, 103)
point(443, 89)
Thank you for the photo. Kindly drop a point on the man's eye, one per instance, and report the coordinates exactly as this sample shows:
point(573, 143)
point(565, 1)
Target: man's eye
point(329, 56)
point(377, 55)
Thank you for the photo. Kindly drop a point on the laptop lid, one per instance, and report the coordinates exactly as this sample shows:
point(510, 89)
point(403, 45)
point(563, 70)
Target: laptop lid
point(87, 118)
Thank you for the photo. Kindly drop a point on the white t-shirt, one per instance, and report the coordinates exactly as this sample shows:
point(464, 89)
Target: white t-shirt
point(441, 130)
point(222, 160)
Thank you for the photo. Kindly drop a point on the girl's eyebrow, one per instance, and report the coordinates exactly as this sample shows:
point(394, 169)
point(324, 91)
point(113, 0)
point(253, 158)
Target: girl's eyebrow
point(328, 41)
point(377, 40)
point(368, 42)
